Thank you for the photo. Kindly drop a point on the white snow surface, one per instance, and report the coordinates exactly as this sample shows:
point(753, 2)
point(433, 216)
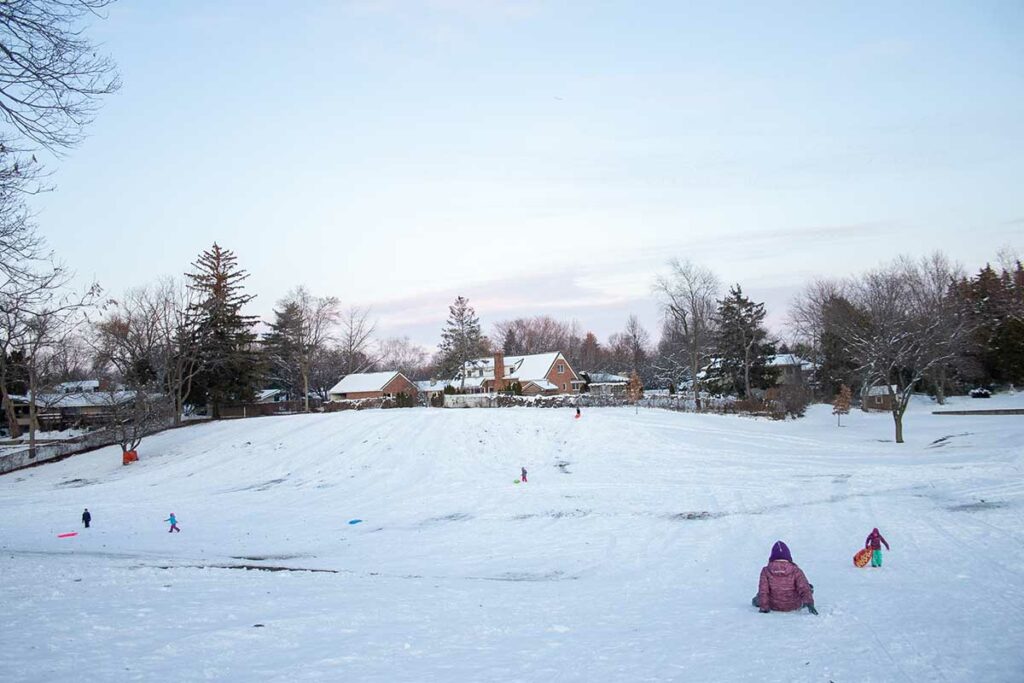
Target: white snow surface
point(631, 554)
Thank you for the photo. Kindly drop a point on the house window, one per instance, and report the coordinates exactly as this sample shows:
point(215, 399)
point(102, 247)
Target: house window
point(878, 400)
point(561, 369)
point(563, 388)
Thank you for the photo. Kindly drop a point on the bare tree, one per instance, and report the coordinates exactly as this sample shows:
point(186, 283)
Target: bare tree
point(400, 353)
point(45, 327)
point(931, 287)
point(315, 320)
point(689, 296)
point(808, 312)
point(894, 339)
point(51, 75)
point(150, 336)
point(539, 334)
point(354, 342)
point(136, 413)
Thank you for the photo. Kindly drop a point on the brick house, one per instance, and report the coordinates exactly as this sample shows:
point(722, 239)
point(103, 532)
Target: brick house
point(539, 374)
point(372, 385)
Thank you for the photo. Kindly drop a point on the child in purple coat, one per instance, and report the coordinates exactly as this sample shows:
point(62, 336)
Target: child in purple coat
point(875, 540)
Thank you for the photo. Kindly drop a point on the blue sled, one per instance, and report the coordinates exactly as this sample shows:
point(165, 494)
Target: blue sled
point(354, 521)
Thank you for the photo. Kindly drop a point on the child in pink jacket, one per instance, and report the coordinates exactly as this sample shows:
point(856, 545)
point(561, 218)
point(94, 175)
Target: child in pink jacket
point(783, 586)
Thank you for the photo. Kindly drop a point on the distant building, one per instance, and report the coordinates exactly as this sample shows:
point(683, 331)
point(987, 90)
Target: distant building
point(605, 384)
point(538, 374)
point(792, 369)
point(372, 385)
point(879, 398)
point(66, 410)
point(86, 386)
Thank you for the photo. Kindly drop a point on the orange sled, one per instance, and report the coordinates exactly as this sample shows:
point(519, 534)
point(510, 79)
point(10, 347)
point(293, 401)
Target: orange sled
point(862, 557)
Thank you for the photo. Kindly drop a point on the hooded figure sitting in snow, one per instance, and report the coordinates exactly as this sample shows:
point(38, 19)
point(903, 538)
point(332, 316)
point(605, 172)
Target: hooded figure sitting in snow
point(783, 586)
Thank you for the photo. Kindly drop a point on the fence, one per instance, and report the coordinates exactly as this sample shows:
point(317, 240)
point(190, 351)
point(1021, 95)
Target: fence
point(13, 460)
point(16, 459)
point(260, 409)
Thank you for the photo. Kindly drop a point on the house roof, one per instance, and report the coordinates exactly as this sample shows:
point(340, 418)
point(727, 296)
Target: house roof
point(364, 381)
point(427, 385)
point(881, 390)
point(83, 400)
point(522, 368)
point(80, 386)
point(543, 384)
point(267, 394)
point(607, 378)
point(782, 359)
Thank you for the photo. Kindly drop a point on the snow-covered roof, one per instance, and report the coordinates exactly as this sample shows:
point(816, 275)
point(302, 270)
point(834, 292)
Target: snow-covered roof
point(428, 385)
point(543, 384)
point(84, 400)
point(607, 378)
point(522, 368)
point(364, 381)
point(77, 387)
point(781, 359)
point(881, 390)
point(266, 394)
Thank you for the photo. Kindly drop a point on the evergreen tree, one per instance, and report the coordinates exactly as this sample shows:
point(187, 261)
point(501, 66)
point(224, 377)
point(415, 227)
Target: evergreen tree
point(743, 344)
point(461, 340)
point(995, 303)
point(229, 363)
point(282, 351)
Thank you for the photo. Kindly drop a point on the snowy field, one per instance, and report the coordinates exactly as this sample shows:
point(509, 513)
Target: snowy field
point(631, 554)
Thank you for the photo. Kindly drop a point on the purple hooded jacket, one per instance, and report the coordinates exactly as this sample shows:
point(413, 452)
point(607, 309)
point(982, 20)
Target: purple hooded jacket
point(783, 586)
point(875, 540)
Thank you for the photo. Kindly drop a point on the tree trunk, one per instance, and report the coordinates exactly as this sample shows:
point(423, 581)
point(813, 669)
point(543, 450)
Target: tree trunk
point(8, 405)
point(179, 406)
point(899, 427)
point(940, 387)
point(32, 426)
point(746, 373)
point(305, 387)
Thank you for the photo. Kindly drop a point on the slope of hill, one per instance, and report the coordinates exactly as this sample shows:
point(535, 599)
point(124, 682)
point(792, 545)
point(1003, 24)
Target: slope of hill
point(631, 554)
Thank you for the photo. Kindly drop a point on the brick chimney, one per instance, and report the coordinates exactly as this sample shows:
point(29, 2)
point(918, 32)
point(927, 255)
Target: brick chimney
point(500, 384)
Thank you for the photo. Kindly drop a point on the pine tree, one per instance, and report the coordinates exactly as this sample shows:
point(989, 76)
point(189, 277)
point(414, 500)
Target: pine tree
point(841, 404)
point(743, 344)
point(461, 339)
point(282, 351)
point(229, 363)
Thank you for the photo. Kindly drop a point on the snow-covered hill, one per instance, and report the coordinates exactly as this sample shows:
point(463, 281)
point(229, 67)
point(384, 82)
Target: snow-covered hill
point(631, 554)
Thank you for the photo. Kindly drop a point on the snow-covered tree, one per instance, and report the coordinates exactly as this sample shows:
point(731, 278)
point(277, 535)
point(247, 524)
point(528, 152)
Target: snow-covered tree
point(895, 341)
point(689, 297)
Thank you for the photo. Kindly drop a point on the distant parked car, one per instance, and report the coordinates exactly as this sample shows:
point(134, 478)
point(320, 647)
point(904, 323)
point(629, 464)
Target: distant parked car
point(979, 392)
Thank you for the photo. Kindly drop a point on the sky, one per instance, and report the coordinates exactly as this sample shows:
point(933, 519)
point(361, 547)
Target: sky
point(543, 157)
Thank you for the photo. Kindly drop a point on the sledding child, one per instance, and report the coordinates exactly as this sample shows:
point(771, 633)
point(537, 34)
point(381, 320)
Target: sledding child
point(174, 523)
point(522, 477)
point(86, 518)
point(783, 586)
point(578, 412)
point(875, 540)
